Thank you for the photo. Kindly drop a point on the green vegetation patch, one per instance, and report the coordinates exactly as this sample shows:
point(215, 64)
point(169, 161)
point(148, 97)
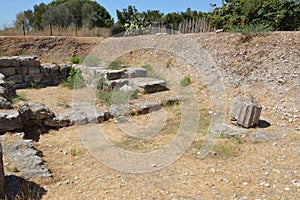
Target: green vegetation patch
point(74, 80)
point(185, 81)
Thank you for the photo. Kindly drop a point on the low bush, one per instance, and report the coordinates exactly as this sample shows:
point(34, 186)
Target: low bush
point(74, 80)
point(251, 30)
point(104, 96)
point(75, 60)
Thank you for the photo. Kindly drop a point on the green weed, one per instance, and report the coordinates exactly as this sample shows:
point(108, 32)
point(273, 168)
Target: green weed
point(75, 60)
point(74, 80)
point(185, 81)
point(75, 152)
point(18, 98)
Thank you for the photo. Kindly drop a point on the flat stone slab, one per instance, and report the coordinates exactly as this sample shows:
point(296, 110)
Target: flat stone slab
point(117, 83)
point(60, 120)
point(148, 106)
point(136, 72)
point(112, 74)
point(27, 159)
point(148, 85)
point(229, 131)
point(258, 136)
point(81, 114)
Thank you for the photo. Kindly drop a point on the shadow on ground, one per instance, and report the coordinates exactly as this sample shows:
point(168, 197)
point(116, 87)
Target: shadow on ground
point(19, 188)
point(263, 124)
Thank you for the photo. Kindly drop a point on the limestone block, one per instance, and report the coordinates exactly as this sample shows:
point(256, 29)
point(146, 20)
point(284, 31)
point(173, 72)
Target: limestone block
point(23, 70)
point(61, 120)
point(29, 61)
point(9, 62)
point(34, 70)
point(118, 83)
point(15, 78)
point(39, 111)
point(148, 85)
point(245, 111)
point(10, 120)
point(136, 72)
point(148, 106)
point(8, 71)
point(112, 74)
point(4, 103)
point(28, 78)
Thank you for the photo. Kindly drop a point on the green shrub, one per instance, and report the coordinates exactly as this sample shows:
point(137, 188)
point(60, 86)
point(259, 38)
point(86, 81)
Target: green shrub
point(75, 60)
point(74, 80)
point(104, 96)
point(251, 30)
point(185, 81)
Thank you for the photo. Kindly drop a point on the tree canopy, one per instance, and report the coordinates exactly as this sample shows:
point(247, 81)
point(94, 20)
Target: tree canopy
point(65, 13)
point(275, 14)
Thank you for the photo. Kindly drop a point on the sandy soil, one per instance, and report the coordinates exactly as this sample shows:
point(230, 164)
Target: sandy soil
point(235, 168)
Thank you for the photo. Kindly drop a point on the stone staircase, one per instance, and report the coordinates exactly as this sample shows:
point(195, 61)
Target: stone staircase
point(127, 81)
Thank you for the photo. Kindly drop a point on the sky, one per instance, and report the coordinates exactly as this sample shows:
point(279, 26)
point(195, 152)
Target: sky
point(9, 8)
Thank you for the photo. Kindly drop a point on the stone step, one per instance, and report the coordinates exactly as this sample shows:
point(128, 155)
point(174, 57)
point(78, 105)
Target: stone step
point(121, 74)
point(148, 85)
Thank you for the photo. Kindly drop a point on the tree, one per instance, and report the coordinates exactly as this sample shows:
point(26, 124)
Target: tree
point(64, 13)
point(23, 21)
point(278, 14)
point(37, 20)
point(95, 15)
point(57, 16)
point(127, 15)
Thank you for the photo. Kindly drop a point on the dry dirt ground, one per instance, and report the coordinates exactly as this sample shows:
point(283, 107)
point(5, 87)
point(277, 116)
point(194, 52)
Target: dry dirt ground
point(266, 68)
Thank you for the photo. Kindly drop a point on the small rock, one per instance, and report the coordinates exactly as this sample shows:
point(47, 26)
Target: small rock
point(245, 183)
point(267, 185)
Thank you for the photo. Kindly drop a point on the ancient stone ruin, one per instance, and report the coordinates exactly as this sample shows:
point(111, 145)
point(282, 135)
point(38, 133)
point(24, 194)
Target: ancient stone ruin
point(245, 111)
point(30, 119)
point(25, 70)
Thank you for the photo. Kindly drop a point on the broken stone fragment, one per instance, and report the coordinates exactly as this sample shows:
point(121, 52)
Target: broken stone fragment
point(10, 120)
point(148, 85)
point(245, 111)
